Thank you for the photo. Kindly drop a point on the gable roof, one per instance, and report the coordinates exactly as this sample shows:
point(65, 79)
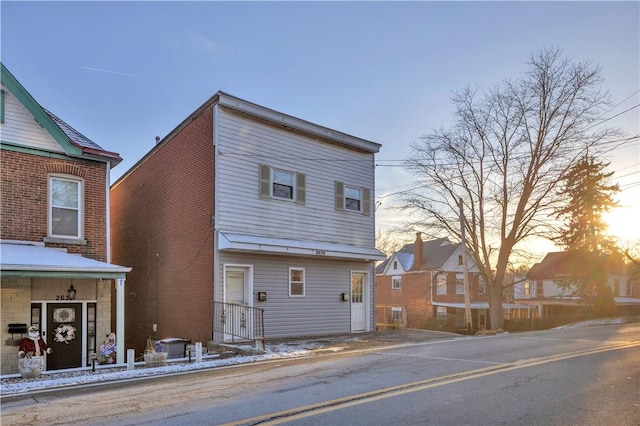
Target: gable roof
point(561, 263)
point(435, 253)
point(73, 142)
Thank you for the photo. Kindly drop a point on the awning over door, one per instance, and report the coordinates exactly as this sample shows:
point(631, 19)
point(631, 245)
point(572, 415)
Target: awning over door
point(253, 243)
point(19, 259)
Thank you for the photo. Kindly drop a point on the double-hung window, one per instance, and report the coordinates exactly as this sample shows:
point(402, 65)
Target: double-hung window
point(65, 207)
point(441, 284)
point(396, 283)
point(282, 184)
point(296, 282)
point(352, 198)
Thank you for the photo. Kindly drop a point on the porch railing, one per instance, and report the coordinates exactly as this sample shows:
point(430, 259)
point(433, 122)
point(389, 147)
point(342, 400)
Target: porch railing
point(239, 322)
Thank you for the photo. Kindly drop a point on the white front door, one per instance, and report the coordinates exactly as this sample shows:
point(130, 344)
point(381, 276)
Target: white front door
point(238, 320)
point(358, 301)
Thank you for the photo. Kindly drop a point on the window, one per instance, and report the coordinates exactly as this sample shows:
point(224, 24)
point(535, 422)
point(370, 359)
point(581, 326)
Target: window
point(526, 288)
point(441, 283)
point(396, 314)
point(282, 184)
point(482, 288)
point(460, 259)
point(539, 288)
point(353, 199)
point(65, 212)
point(459, 287)
point(442, 311)
point(296, 282)
point(396, 283)
point(2, 95)
point(395, 265)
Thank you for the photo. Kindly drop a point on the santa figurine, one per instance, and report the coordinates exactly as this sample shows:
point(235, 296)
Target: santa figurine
point(34, 345)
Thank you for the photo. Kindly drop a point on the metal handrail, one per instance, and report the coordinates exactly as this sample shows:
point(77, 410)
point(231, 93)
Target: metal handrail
point(242, 322)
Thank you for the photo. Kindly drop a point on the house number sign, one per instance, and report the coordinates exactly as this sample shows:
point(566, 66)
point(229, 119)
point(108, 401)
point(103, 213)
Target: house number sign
point(320, 252)
point(62, 297)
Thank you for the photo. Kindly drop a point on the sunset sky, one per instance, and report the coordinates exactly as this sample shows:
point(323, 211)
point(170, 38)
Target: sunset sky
point(123, 73)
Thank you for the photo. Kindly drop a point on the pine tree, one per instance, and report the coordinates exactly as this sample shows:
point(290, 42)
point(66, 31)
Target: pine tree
point(586, 184)
point(594, 254)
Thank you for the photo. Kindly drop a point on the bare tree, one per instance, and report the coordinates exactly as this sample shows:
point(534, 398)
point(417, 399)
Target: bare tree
point(504, 156)
point(386, 243)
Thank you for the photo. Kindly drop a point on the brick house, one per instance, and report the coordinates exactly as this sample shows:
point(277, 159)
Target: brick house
point(542, 292)
point(244, 205)
point(55, 265)
point(422, 286)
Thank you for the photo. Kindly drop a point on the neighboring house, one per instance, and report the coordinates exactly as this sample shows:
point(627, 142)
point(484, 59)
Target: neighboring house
point(55, 267)
point(422, 286)
point(244, 205)
point(541, 289)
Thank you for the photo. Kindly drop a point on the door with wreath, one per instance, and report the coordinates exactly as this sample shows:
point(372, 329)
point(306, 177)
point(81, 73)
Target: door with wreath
point(64, 335)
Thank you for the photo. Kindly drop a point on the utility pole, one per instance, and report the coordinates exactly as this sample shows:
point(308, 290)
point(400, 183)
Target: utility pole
point(465, 273)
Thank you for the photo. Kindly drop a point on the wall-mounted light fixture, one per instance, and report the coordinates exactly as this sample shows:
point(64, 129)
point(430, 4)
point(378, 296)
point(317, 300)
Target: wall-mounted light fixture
point(344, 297)
point(71, 292)
point(262, 296)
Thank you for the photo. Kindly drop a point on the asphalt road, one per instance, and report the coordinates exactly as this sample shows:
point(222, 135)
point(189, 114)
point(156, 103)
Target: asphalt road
point(588, 376)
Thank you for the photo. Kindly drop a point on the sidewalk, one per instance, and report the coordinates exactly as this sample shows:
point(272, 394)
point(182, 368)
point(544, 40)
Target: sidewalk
point(245, 353)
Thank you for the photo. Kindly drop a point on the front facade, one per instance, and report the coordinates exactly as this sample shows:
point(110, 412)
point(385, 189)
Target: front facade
point(542, 291)
point(244, 205)
point(54, 266)
point(423, 285)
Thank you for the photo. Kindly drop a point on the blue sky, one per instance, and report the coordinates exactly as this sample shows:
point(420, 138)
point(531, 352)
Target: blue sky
point(125, 72)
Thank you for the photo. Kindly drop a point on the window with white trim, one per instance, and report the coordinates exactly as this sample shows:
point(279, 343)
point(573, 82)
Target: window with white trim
point(441, 311)
point(441, 284)
point(296, 282)
point(482, 287)
point(282, 184)
point(396, 314)
point(352, 199)
point(526, 288)
point(65, 207)
point(395, 265)
point(459, 287)
point(396, 283)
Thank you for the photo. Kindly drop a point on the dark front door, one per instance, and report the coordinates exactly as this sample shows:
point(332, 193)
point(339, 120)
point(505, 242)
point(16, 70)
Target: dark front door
point(64, 335)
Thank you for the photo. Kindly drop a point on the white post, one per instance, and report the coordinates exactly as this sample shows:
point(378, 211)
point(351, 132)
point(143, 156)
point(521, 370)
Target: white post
point(120, 321)
point(131, 358)
point(198, 352)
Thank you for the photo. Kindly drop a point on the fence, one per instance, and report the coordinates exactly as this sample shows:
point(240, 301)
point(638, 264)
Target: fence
point(239, 322)
point(391, 316)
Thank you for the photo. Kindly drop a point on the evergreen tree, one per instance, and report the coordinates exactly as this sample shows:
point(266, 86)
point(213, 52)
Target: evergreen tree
point(590, 194)
point(595, 255)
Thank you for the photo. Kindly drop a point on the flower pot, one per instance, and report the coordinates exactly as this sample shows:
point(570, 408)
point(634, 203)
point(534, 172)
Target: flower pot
point(31, 367)
point(155, 359)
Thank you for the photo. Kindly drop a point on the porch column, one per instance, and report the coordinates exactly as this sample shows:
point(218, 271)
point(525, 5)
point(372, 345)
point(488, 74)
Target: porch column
point(120, 349)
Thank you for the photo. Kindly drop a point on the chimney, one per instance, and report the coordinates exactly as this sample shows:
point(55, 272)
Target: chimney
point(417, 252)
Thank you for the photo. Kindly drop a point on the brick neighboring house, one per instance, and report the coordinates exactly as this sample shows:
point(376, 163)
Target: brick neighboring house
point(244, 205)
point(55, 266)
point(422, 286)
point(541, 290)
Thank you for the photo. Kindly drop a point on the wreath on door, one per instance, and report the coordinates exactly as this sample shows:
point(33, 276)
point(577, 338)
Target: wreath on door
point(64, 333)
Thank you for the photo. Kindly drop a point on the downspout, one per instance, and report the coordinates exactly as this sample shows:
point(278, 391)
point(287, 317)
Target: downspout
point(108, 210)
point(214, 218)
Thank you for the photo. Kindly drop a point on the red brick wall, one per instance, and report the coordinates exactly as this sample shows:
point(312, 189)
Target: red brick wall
point(414, 294)
point(24, 200)
point(161, 225)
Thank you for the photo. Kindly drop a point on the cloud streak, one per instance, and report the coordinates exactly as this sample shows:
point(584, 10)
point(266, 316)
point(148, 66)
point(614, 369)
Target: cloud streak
point(108, 71)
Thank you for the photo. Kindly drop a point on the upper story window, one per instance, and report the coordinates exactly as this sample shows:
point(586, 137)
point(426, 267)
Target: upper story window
point(395, 265)
point(2, 95)
point(526, 288)
point(460, 262)
point(296, 282)
point(539, 288)
point(396, 283)
point(441, 283)
point(459, 287)
point(353, 199)
point(482, 287)
point(282, 184)
point(65, 207)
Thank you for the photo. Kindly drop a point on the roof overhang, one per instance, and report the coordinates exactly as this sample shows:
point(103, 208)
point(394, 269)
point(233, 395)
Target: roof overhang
point(483, 305)
point(35, 260)
point(258, 244)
